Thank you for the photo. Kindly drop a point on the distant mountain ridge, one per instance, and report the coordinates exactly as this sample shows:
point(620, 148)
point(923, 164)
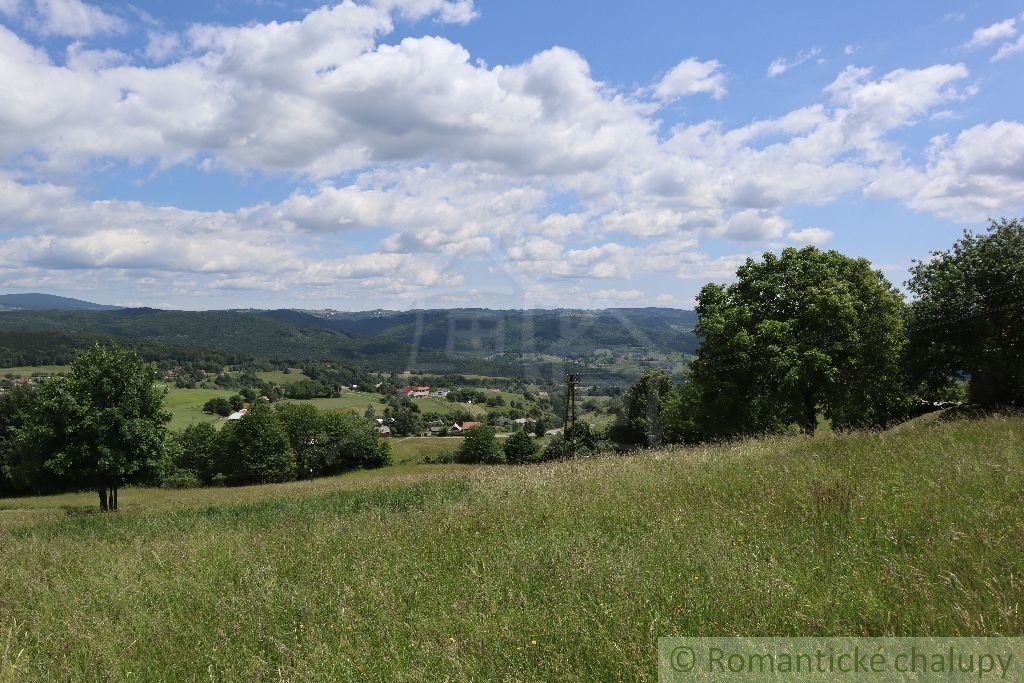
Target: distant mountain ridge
point(35, 301)
point(612, 344)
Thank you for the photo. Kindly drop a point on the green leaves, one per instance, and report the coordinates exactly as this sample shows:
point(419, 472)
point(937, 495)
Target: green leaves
point(480, 445)
point(968, 317)
point(798, 334)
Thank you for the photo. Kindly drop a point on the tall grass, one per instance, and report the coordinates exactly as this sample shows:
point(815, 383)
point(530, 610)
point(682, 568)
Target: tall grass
point(561, 571)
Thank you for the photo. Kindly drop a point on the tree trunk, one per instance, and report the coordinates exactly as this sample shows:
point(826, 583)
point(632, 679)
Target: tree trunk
point(103, 499)
point(112, 499)
point(810, 415)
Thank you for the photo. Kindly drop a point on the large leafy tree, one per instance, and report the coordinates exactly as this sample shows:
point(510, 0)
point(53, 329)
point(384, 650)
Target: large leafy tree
point(21, 461)
point(255, 449)
point(103, 424)
point(351, 441)
point(968, 316)
point(303, 425)
point(799, 334)
point(638, 421)
point(195, 451)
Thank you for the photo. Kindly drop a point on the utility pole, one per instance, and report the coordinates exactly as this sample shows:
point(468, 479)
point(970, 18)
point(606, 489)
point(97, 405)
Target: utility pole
point(569, 425)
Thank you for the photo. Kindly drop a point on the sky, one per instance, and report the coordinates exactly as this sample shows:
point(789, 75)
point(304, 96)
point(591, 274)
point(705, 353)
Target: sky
point(453, 153)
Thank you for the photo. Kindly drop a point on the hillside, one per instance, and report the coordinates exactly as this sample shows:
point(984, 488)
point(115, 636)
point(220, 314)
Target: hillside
point(48, 302)
point(611, 345)
point(559, 332)
point(563, 571)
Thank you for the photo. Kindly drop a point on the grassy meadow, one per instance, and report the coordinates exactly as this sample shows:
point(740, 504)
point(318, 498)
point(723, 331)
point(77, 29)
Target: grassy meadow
point(564, 571)
point(281, 377)
point(30, 370)
point(412, 449)
point(186, 405)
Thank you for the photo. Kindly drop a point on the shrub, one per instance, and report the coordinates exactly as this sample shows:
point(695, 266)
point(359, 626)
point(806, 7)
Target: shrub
point(480, 446)
point(520, 448)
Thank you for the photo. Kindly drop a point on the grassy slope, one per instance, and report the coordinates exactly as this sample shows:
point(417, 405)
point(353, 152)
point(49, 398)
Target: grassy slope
point(412, 449)
point(562, 571)
point(186, 405)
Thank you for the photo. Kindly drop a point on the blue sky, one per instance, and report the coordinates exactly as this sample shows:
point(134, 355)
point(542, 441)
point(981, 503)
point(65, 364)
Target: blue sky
point(438, 153)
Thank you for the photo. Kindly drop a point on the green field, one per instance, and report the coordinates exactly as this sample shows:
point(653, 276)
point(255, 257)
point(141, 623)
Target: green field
point(350, 400)
point(34, 369)
point(281, 377)
point(186, 405)
point(566, 571)
point(412, 449)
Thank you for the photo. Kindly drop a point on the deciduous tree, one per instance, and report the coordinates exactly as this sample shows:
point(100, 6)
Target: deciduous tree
point(968, 317)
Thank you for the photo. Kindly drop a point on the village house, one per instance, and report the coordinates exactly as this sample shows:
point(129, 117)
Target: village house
point(414, 392)
point(464, 426)
point(440, 393)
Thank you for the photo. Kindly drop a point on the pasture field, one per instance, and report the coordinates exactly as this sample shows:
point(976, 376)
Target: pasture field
point(28, 371)
point(561, 571)
point(281, 377)
point(412, 449)
point(186, 405)
point(350, 400)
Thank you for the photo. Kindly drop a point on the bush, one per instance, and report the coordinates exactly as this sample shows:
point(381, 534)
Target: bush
point(181, 479)
point(480, 446)
point(586, 442)
point(520, 448)
point(218, 406)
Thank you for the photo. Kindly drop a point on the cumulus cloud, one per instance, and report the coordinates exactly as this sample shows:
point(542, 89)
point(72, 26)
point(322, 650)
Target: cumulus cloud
point(690, 77)
point(75, 19)
point(977, 175)
point(753, 225)
point(781, 65)
point(417, 148)
point(813, 236)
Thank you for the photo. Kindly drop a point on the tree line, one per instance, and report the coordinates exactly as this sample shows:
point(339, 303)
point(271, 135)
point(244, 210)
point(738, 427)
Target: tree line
point(103, 425)
point(808, 335)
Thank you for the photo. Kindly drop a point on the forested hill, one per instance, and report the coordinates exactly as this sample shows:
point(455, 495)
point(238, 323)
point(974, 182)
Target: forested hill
point(612, 342)
point(558, 332)
point(48, 302)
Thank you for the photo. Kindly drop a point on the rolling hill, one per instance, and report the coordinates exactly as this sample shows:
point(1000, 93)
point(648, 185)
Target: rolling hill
point(610, 344)
point(48, 302)
point(561, 571)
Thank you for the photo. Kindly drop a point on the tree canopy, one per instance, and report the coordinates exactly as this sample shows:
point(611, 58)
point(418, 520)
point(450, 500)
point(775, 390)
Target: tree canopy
point(101, 425)
point(480, 446)
point(638, 420)
point(799, 334)
point(968, 315)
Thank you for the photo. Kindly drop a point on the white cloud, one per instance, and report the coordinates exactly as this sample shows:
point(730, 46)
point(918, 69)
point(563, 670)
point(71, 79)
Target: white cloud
point(849, 50)
point(690, 77)
point(978, 175)
point(416, 148)
point(1007, 49)
point(990, 34)
point(75, 19)
point(162, 46)
point(10, 7)
point(812, 236)
point(753, 225)
point(781, 65)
